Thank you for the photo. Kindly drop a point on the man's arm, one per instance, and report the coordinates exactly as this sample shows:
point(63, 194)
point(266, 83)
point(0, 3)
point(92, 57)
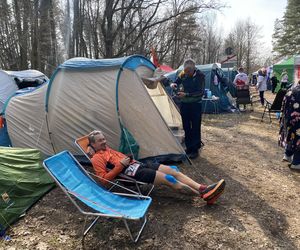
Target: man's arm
point(99, 165)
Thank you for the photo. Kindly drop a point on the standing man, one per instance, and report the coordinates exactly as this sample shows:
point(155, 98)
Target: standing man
point(190, 89)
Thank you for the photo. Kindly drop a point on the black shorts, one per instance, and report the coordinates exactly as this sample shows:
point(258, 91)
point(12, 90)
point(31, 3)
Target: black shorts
point(146, 172)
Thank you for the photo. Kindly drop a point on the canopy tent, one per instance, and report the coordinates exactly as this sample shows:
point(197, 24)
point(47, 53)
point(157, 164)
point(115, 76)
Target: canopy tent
point(11, 81)
point(85, 94)
point(23, 181)
point(288, 65)
point(215, 81)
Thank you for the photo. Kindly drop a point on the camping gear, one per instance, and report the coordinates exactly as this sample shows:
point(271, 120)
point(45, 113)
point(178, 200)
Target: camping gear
point(243, 97)
point(291, 66)
point(23, 182)
point(103, 94)
point(275, 106)
point(71, 177)
point(11, 81)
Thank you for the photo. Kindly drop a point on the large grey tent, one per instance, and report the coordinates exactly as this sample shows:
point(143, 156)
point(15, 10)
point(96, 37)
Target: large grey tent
point(11, 81)
point(85, 94)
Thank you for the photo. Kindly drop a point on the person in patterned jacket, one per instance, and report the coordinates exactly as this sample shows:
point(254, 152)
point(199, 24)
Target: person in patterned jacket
point(289, 133)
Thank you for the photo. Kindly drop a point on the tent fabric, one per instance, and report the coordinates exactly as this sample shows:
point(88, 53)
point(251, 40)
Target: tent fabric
point(137, 110)
point(67, 171)
point(4, 138)
point(108, 96)
point(23, 181)
point(287, 64)
point(166, 106)
point(7, 88)
point(25, 119)
point(28, 75)
point(229, 74)
point(8, 85)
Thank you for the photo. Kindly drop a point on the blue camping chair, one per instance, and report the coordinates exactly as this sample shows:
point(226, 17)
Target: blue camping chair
point(99, 202)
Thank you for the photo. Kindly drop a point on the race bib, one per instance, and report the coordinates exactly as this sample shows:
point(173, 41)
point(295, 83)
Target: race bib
point(132, 168)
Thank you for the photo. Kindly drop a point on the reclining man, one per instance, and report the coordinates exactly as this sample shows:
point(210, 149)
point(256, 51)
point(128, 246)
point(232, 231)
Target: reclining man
point(149, 173)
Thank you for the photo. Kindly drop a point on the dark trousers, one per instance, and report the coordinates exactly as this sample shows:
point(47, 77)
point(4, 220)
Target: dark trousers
point(261, 96)
point(191, 114)
point(296, 156)
point(274, 85)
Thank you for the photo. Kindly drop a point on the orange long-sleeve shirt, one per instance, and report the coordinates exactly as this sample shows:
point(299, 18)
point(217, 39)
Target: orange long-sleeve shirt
point(100, 161)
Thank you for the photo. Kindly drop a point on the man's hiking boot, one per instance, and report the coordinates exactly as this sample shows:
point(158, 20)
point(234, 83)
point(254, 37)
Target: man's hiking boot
point(212, 192)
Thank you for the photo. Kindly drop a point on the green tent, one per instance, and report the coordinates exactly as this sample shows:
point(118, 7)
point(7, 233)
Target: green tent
point(23, 181)
point(289, 66)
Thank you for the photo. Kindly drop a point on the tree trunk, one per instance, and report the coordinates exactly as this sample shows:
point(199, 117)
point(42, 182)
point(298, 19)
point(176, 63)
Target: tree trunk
point(34, 38)
point(53, 55)
point(107, 28)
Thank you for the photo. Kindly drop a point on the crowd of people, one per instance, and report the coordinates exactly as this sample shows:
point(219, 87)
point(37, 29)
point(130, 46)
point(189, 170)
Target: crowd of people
point(289, 132)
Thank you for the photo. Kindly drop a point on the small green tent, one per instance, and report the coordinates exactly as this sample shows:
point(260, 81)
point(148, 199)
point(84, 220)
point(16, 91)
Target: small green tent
point(289, 66)
point(23, 181)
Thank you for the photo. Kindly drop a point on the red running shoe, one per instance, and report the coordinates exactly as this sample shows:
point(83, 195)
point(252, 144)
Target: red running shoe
point(213, 192)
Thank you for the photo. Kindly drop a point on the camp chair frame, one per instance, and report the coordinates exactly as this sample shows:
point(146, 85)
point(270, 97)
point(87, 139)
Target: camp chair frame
point(122, 177)
point(86, 229)
point(275, 106)
point(243, 97)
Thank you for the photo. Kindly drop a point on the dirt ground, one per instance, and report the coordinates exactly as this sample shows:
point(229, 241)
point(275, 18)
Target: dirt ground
point(259, 209)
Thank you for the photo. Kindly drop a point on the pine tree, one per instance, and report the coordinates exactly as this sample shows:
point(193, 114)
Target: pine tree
point(286, 37)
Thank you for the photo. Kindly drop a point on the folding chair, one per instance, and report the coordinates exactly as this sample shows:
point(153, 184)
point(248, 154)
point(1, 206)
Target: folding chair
point(243, 97)
point(276, 105)
point(82, 190)
point(82, 144)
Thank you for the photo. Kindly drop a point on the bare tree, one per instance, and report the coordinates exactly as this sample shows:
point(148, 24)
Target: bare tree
point(244, 39)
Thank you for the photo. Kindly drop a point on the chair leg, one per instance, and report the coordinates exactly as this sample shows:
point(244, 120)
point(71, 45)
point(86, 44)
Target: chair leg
point(270, 116)
point(85, 231)
point(150, 190)
point(138, 188)
point(139, 232)
point(262, 118)
point(90, 226)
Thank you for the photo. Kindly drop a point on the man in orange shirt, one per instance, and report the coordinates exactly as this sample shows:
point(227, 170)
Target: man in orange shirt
point(155, 173)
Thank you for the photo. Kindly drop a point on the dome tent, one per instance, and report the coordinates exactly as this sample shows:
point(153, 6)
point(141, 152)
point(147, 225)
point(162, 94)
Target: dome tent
point(11, 81)
point(85, 94)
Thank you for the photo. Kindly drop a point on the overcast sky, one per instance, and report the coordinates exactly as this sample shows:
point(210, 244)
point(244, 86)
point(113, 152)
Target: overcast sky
point(261, 12)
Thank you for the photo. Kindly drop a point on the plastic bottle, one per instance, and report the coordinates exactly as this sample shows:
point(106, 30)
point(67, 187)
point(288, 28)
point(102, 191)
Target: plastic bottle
point(209, 94)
